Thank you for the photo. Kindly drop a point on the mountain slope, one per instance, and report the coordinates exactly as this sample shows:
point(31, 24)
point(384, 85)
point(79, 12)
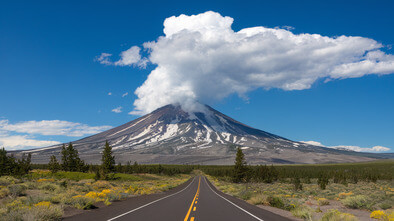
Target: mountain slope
point(172, 135)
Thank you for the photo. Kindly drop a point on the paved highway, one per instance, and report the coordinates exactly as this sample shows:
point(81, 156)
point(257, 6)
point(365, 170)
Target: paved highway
point(195, 200)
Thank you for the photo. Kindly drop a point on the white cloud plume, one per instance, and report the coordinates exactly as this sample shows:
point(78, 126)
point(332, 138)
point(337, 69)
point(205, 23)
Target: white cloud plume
point(352, 148)
point(125, 94)
point(52, 127)
point(117, 110)
point(202, 58)
point(17, 142)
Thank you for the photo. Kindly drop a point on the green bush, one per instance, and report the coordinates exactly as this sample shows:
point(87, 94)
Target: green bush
point(4, 192)
point(276, 202)
point(303, 212)
point(357, 202)
point(385, 205)
point(7, 180)
point(82, 202)
point(323, 202)
point(335, 215)
point(258, 199)
point(49, 186)
point(17, 190)
point(44, 213)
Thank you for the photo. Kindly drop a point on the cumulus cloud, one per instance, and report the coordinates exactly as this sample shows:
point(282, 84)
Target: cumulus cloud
point(200, 57)
point(52, 127)
point(117, 110)
point(127, 58)
point(125, 94)
point(352, 148)
point(18, 142)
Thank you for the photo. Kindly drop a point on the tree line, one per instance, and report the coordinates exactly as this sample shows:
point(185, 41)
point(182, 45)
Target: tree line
point(299, 174)
point(9, 165)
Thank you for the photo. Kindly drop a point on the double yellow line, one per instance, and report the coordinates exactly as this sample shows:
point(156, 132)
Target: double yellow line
point(193, 202)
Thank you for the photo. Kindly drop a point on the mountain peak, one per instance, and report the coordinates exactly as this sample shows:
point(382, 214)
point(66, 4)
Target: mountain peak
point(171, 134)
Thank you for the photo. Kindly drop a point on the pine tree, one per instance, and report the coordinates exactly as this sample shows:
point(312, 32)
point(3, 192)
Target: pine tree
point(322, 181)
point(65, 158)
point(240, 169)
point(70, 159)
point(136, 167)
point(7, 163)
point(53, 164)
point(24, 165)
point(108, 160)
point(73, 157)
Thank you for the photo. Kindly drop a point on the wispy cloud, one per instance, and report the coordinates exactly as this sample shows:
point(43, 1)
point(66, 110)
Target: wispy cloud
point(125, 94)
point(352, 148)
point(104, 59)
point(117, 110)
point(21, 135)
point(52, 127)
point(130, 57)
point(17, 142)
point(109, 93)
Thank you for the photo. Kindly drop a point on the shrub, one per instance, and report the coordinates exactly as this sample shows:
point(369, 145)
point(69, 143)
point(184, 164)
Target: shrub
point(4, 192)
point(259, 199)
point(303, 212)
point(245, 195)
point(335, 215)
point(49, 187)
point(44, 211)
point(385, 205)
point(82, 202)
point(17, 190)
point(276, 202)
point(7, 180)
point(99, 185)
point(323, 202)
point(378, 214)
point(357, 202)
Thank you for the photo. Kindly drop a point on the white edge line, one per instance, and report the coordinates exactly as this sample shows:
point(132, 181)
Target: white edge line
point(151, 202)
point(233, 203)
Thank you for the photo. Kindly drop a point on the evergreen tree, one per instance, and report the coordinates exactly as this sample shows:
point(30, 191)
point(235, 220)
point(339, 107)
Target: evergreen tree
point(65, 158)
point(71, 160)
point(297, 183)
point(240, 169)
point(322, 181)
point(108, 160)
point(7, 163)
point(53, 164)
point(129, 168)
point(24, 165)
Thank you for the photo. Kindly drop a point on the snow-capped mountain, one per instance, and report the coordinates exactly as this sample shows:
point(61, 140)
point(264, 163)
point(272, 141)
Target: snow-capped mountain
point(172, 135)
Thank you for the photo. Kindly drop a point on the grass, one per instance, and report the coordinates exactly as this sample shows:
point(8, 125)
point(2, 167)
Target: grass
point(311, 199)
point(43, 195)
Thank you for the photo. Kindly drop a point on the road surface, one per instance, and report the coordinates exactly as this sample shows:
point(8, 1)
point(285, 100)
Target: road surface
point(195, 200)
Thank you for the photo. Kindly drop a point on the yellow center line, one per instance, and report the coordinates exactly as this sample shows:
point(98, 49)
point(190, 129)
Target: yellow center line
point(194, 199)
point(194, 209)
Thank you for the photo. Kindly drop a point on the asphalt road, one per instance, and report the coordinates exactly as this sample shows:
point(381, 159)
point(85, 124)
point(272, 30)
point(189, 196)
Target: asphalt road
point(195, 200)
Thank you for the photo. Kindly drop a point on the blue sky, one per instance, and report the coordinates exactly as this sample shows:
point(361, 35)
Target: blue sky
point(48, 69)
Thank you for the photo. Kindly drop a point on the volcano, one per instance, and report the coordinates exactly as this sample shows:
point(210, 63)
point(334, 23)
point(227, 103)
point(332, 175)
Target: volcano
point(170, 135)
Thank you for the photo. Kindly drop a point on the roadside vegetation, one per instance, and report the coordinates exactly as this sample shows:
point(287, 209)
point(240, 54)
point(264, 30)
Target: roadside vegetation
point(72, 186)
point(324, 192)
point(312, 192)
